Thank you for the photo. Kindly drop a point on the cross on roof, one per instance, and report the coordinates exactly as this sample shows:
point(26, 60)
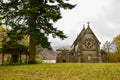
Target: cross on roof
point(88, 23)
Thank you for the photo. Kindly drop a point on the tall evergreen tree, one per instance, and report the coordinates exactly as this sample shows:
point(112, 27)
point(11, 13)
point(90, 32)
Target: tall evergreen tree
point(34, 18)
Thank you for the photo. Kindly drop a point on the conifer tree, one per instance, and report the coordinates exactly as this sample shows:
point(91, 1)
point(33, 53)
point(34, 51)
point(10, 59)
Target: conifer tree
point(34, 18)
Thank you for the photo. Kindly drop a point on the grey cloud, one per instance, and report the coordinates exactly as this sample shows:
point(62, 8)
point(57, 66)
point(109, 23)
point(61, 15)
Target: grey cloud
point(108, 22)
point(106, 25)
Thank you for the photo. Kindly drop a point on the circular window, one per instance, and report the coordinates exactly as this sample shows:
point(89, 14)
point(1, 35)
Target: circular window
point(89, 43)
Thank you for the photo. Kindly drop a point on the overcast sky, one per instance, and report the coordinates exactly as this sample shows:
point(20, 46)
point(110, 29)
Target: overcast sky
point(103, 15)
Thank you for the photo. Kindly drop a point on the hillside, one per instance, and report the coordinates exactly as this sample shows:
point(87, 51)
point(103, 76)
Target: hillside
point(47, 54)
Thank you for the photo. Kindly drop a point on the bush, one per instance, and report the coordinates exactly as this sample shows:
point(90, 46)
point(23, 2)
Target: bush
point(39, 60)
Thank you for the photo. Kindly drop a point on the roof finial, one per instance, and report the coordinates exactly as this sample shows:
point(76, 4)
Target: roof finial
point(88, 23)
point(83, 26)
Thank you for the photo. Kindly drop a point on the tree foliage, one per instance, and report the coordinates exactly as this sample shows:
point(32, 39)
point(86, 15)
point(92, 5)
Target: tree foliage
point(34, 18)
point(107, 46)
point(2, 32)
point(117, 42)
point(113, 49)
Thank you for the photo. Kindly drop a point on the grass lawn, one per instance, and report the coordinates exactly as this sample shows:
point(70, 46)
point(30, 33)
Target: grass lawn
point(61, 71)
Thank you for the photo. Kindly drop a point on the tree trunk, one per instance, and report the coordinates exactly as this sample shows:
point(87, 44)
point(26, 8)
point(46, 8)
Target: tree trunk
point(2, 58)
point(32, 49)
point(32, 42)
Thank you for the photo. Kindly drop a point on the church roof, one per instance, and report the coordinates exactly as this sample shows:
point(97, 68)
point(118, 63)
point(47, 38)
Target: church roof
point(84, 31)
point(79, 36)
point(89, 31)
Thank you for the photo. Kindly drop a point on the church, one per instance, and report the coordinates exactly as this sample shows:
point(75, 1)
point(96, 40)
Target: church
point(85, 48)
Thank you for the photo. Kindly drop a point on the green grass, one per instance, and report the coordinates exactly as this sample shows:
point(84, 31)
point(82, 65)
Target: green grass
point(62, 71)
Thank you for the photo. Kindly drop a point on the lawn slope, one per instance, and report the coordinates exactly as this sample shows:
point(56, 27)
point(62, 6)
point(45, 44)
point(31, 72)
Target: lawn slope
point(62, 71)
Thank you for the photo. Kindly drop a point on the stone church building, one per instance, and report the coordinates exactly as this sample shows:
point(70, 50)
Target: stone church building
point(86, 48)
